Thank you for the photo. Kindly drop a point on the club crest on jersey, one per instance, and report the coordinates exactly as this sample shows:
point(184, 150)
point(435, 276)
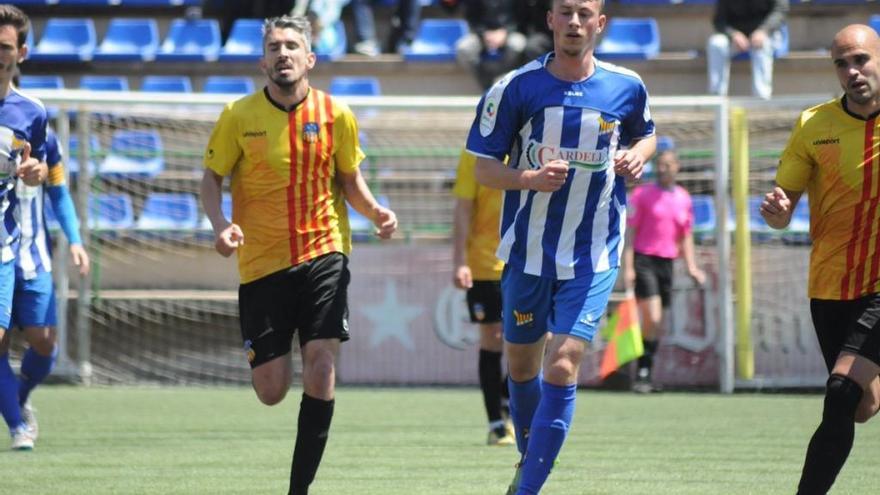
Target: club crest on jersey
point(523, 318)
point(310, 132)
point(606, 126)
point(479, 312)
point(539, 154)
point(249, 351)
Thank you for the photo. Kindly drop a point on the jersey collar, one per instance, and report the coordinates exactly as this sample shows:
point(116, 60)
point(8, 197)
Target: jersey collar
point(281, 107)
point(845, 109)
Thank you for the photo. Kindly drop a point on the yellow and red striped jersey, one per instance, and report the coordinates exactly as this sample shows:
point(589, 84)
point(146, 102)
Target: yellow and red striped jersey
point(835, 156)
point(283, 165)
point(484, 234)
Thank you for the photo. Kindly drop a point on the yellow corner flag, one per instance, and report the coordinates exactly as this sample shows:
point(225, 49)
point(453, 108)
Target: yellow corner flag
point(623, 336)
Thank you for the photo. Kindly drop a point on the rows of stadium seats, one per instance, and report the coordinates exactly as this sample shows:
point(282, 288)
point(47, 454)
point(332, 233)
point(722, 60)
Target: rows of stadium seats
point(705, 220)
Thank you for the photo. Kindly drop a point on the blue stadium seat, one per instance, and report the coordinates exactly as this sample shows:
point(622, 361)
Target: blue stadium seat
point(31, 3)
point(129, 39)
point(229, 84)
point(111, 212)
point(435, 40)
point(630, 38)
point(331, 46)
point(41, 82)
point(874, 22)
point(134, 153)
point(354, 86)
point(225, 207)
point(167, 84)
point(104, 83)
point(159, 3)
point(244, 43)
point(84, 3)
point(191, 40)
point(169, 211)
point(66, 40)
point(72, 155)
point(704, 215)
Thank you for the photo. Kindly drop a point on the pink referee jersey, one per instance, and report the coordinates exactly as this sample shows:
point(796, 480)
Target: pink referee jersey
point(661, 217)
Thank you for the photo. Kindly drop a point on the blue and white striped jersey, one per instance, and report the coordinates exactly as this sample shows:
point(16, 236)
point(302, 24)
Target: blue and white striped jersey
point(34, 252)
point(533, 117)
point(22, 119)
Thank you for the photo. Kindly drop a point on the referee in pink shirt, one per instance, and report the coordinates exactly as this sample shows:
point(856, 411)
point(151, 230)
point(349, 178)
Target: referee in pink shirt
point(659, 228)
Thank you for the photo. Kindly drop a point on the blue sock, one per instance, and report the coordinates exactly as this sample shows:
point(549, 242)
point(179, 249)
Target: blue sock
point(524, 399)
point(9, 394)
point(549, 429)
point(35, 367)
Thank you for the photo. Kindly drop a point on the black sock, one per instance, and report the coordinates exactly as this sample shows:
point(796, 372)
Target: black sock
point(490, 383)
point(311, 438)
point(646, 360)
point(505, 397)
point(833, 440)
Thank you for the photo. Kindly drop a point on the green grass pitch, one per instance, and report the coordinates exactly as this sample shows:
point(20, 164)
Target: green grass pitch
point(403, 441)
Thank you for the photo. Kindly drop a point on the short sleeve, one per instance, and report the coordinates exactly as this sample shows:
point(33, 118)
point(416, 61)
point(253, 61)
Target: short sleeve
point(795, 163)
point(638, 123)
point(465, 180)
point(223, 150)
point(38, 136)
point(497, 121)
point(348, 154)
point(54, 152)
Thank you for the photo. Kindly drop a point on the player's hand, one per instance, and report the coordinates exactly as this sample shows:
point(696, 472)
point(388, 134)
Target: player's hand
point(228, 240)
point(80, 258)
point(698, 276)
point(385, 221)
point(739, 41)
point(548, 178)
point(758, 38)
point(463, 279)
point(629, 164)
point(31, 170)
point(776, 208)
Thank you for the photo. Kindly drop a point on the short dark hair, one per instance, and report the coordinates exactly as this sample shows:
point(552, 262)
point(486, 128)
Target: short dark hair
point(13, 16)
point(298, 23)
point(601, 4)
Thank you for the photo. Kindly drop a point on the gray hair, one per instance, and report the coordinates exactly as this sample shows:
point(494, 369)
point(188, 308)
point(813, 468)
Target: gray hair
point(298, 23)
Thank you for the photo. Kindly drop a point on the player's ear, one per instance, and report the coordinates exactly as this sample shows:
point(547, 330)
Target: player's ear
point(22, 53)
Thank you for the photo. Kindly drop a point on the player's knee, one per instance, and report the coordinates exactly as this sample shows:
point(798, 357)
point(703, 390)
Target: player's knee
point(560, 371)
point(842, 397)
point(45, 345)
point(270, 395)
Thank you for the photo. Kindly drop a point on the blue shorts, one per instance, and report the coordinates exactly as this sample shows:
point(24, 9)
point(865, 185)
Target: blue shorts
point(33, 304)
point(533, 305)
point(7, 286)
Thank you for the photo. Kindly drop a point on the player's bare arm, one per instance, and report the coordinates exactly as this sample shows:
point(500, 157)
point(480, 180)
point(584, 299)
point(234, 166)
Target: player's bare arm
point(361, 199)
point(778, 206)
point(227, 236)
point(630, 163)
point(462, 277)
point(495, 174)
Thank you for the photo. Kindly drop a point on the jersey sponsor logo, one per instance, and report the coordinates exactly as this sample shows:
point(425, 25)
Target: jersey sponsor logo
point(310, 132)
point(253, 134)
point(539, 154)
point(819, 142)
point(490, 113)
point(523, 318)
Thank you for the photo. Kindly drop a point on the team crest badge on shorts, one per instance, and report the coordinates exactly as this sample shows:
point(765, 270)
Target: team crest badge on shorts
point(479, 312)
point(249, 351)
point(310, 132)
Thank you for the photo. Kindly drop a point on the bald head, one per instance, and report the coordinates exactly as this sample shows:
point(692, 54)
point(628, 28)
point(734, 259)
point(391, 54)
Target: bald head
point(856, 35)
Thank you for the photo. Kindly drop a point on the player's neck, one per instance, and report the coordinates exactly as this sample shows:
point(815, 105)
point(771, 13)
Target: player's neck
point(572, 68)
point(289, 97)
point(866, 110)
point(5, 88)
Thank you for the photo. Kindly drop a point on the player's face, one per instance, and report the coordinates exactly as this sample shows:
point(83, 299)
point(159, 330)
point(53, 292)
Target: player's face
point(575, 25)
point(285, 58)
point(857, 63)
point(667, 167)
point(10, 53)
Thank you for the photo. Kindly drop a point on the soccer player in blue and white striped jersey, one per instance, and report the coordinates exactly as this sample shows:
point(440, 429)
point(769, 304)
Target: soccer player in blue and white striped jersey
point(575, 129)
point(22, 154)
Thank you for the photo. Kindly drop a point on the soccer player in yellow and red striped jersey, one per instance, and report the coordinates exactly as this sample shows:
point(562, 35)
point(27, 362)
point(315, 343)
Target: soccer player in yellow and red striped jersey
point(478, 271)
point(293, 155)
point(834, 155)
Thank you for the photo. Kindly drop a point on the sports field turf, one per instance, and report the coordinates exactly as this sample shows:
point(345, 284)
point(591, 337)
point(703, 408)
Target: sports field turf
point(417, 441)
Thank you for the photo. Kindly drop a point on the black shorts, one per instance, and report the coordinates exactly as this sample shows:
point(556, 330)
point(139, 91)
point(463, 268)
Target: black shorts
point(484, 301)
point(852, 326)
point(310, 298)
point(653, 277)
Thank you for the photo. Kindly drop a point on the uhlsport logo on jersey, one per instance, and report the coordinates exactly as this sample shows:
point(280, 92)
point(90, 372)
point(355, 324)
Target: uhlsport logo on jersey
point(523, 318)
point(11, 147)
point(540, 154)
point(310, 132)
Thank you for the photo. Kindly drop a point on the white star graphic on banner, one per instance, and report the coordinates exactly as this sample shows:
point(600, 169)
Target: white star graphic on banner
point(391, 318)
